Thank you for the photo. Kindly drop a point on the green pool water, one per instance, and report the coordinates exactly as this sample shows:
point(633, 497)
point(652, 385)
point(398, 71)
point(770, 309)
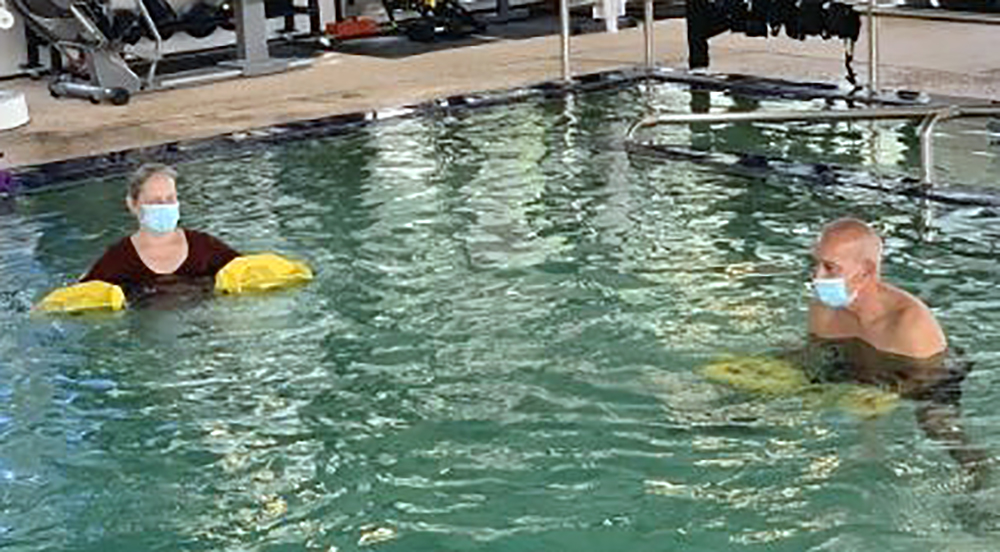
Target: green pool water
point(499, 351)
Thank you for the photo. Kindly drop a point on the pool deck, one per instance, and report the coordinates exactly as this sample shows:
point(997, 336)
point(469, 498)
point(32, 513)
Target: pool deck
point(937, 57)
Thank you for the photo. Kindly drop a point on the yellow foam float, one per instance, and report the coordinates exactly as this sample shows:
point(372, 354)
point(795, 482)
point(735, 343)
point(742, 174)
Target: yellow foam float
point(865, 401)
point(244, 274)
point(86, 296)
point(260, 272)
point(773, 376)
point(757, 374)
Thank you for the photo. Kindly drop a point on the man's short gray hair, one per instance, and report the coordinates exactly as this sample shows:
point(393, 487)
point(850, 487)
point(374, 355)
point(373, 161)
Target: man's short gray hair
point(861, 233)
point(144, 173)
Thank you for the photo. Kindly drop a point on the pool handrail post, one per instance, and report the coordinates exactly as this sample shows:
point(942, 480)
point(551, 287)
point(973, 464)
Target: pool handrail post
point(927, 148)
point(647, 31)
point(564, 37)
point(872, 49)
point(874, 13)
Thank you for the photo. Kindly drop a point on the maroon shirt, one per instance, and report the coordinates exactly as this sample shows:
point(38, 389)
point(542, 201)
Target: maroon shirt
point(122, 266)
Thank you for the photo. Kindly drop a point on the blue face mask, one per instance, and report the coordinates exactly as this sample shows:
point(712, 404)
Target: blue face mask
point(159, 217)
point(832, 292)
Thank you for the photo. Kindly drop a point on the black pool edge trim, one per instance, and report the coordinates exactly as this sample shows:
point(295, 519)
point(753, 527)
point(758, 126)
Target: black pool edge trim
point(60, 174)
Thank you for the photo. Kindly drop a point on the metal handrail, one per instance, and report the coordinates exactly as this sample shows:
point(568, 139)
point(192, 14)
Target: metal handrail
point(647, 32)
point(875, 12)
point(564, 38)
point(929, 116)
point(914, 112)
point(938, 15)
point(872, 48)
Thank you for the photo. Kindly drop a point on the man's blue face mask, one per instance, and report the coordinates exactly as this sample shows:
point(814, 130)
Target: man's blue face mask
point(159, 217)
point(832, 292)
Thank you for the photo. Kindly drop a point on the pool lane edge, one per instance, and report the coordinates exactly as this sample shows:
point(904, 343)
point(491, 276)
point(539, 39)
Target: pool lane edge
point(54, 175)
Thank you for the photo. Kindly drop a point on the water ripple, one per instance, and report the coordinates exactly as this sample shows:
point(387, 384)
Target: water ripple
point(498, 351)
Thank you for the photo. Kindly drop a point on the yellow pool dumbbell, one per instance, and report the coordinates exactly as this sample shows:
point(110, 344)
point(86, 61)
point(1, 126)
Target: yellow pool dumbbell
point(87, 296)
point(757, 374)
point(260, 272)
point(779, 377)
point(866, 401)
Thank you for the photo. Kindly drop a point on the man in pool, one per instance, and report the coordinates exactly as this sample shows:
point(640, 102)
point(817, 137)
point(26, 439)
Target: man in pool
point(852, 301)
point(866, 330)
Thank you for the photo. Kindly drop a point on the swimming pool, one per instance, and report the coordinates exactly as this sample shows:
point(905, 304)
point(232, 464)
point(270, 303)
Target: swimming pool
point(498, 352)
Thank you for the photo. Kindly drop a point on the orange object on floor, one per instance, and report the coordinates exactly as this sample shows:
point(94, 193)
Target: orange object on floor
point(353, 27)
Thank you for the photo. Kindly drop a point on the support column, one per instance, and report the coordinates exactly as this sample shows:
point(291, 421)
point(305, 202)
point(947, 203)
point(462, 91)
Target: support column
point(252, 55)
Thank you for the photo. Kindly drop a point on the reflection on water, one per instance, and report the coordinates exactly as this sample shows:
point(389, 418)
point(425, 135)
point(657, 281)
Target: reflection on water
point(498, 351)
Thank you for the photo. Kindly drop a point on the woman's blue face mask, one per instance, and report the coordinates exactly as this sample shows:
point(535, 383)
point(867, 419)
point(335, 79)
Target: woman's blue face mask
point(159, 218)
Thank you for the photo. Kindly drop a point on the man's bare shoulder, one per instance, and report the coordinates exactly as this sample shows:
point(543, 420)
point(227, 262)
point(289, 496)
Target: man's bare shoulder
point(914, 329)
point(903, 303)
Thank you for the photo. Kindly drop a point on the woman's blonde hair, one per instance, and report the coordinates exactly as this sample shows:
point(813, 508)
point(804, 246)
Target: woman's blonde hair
point(144, 173)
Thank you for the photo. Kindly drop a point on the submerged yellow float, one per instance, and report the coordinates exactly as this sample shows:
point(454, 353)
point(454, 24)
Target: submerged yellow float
point(757, 374)
point(249, 273)
point(868, 402)
point(774, 376)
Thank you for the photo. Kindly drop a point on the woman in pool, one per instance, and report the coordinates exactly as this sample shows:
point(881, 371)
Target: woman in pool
point(159, 257)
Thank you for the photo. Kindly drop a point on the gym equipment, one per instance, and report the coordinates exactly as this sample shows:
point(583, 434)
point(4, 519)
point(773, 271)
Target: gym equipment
point(446, 18)
point(89, 38)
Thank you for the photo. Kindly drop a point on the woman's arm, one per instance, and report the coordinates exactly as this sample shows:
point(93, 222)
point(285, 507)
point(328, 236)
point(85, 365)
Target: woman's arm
point(112, 267)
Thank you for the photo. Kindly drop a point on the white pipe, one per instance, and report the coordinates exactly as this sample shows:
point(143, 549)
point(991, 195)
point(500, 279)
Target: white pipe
point(564, 20)
point(609, 11)
point(647, 31)
point(872, 49)
point(927, 149)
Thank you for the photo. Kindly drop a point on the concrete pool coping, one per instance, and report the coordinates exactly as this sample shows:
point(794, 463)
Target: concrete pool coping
point(68, 139)
point(57, 174)
point(50, 177)
point(61, 174)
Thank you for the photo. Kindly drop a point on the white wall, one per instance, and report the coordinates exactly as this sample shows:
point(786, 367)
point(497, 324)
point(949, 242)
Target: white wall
point(12, 49)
